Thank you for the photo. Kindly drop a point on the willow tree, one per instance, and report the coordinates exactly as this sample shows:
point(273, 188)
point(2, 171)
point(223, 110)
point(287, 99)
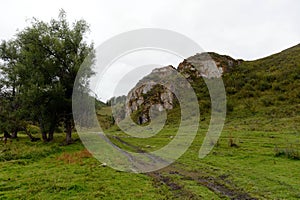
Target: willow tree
point(10, 108)
point(49, 57)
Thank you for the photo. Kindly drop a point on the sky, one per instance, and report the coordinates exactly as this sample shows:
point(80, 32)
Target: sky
point(245, 29)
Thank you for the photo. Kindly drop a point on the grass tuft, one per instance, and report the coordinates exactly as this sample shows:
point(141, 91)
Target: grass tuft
point(76, 157)
point(290, 152)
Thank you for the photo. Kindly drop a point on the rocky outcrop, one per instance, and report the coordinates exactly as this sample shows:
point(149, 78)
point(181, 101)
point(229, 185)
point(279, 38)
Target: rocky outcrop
point(149, 94)
point(200, 65)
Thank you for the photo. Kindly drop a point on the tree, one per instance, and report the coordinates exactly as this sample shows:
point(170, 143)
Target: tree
point(49, 57)
point(11, 114)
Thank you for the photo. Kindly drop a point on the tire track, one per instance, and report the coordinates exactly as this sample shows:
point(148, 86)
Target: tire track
point(215, 184)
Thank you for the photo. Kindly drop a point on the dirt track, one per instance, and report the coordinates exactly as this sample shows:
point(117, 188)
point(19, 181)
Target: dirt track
point(221, 186)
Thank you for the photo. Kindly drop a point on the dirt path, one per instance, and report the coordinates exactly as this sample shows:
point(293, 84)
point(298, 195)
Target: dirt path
point(221, 186)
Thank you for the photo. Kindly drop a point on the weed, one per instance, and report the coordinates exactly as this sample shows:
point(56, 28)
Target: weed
point(70, 158)
point(231, 141)
point(290, 152)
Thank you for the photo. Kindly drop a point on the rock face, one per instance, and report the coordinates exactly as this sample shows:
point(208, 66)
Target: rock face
point(200, 65)
point(148, 94)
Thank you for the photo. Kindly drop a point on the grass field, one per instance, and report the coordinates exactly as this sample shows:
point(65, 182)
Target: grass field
point(244, 164)
point(67, 172)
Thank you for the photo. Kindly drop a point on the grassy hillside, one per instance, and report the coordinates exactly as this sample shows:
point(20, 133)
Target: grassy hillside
point(273, 80)
point(266, 91)
point(261, 94)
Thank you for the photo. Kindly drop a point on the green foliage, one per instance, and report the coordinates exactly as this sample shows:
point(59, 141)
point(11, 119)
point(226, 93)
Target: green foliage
point(33, 129)
point(230, 106)
point(263, 85)
point(40, 67)
point(267, 101)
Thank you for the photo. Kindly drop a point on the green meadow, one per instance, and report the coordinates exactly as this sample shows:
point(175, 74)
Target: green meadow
point(243, 164)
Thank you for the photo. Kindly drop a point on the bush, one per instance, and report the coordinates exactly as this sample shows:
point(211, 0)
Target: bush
point(231, 141)
point(263, 85)
point(281, 98)
point(246, 94)
point(231, 90)
point(267, 101)
point(250, 105)
point(33, 129)
point(230, 106)
point(290, 152)
point(278, 87)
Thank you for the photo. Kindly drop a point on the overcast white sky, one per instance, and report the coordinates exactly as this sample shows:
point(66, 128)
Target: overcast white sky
point(246, 29)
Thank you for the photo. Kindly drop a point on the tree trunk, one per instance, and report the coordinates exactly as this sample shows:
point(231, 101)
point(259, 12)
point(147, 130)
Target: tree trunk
point(29, 135)
point(44, 133)
point(6, 135)
point(69, 139)
point(44, 136)
point(68, 132)
point(51, 132)
point(50, 136)
point(14, 134)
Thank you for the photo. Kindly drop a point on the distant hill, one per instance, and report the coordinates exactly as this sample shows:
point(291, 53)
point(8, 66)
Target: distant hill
point(264, 92)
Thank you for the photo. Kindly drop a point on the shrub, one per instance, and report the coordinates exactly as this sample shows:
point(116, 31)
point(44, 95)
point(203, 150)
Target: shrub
point(290, 152)
point(264, 85)
point(230, 106)
point(33, 129)
point(231, 142)
point(281, 98)
point(250, 105)
point(267, 101)
point(278, 87)
point(246, 94)
point(231, 90)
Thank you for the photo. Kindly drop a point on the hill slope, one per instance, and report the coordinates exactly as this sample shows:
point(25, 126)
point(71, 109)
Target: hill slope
point(266, 89)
